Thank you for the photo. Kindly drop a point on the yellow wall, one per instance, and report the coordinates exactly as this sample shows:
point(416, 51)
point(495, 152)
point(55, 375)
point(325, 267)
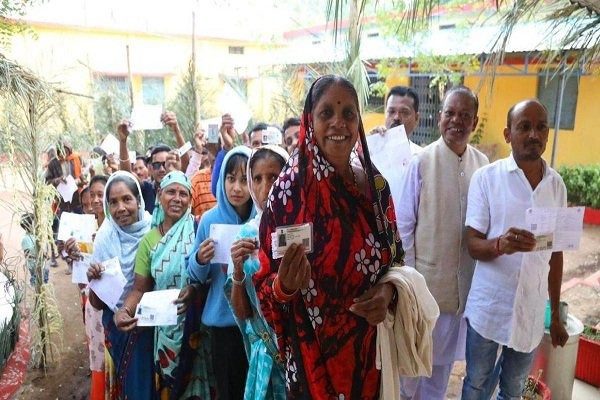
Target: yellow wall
point(578, 146)
point(69, 57)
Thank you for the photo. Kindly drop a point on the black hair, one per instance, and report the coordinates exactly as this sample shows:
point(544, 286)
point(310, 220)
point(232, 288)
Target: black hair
point(129, 182)
point(322, 84)
point(464, 90)
point(159, 148)
point(84, 191)
point(509, 115)
point(98, 178)
point(261, 126)
point(234, 162)
point(140, 157)
point(27, 222)
point(265, 154)
point(293, 121)
point(405, 91)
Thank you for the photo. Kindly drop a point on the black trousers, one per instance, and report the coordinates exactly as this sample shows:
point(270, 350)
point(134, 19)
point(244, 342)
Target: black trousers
point(229, 360)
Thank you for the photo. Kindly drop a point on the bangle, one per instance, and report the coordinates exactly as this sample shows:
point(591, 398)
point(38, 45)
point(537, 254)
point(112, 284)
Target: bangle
point(279, 294)
point(240, 282)
point(498, 251)
point(125, 160)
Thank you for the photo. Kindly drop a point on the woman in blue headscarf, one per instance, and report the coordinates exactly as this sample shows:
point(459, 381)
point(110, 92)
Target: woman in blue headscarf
point(265, 380)
point(181, 351)
point(128, 356)
point(234, 207)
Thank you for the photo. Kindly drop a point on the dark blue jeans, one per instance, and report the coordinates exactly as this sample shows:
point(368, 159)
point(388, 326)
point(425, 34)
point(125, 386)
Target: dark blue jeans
point(484, 372)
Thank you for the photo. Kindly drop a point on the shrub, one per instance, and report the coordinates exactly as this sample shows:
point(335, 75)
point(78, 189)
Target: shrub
point(583, 184)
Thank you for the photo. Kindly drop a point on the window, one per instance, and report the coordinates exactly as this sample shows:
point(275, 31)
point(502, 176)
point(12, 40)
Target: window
point(115, 85)
point(376, 95)
point(548, 93)
point(153, 91)
point(236, 49)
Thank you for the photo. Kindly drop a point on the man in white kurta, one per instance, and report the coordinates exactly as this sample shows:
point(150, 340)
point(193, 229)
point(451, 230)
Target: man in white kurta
point(511, 283)
point(402, 108)
point(431, 214)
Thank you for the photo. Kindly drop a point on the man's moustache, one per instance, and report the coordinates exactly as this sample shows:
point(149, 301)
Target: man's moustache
point(395, 124)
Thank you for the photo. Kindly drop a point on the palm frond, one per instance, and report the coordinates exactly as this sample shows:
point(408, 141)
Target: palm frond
point(29, 106)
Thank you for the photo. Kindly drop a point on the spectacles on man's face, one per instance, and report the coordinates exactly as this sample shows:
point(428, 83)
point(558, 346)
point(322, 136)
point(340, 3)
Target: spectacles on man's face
point(157, 164)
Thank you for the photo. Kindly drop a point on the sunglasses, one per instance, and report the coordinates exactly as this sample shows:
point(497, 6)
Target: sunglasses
point(158, 164)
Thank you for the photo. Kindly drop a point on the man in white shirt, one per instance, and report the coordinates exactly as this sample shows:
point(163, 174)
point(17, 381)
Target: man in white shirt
point(402, 108)
point(431, 215)
point(510, 285)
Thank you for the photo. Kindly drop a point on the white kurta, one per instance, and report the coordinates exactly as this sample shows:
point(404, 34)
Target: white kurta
point(508, 294)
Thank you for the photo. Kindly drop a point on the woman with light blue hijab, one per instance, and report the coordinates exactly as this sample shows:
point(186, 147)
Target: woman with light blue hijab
point(129, 372)
point(265, 379)
point(181, 351)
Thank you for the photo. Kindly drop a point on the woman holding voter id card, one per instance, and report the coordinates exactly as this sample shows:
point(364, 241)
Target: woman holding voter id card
point(181, 365)
point(128, 369)
point(234, 207)
point(321, 295)
point(265, 378)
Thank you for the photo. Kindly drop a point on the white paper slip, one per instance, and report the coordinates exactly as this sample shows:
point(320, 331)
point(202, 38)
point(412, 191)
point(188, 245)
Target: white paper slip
point(110, 145)
point(156, 308)
point(284, 236)
point(146, 117)
point(79, 226)
point(564, 225)
point(109, 287)
point(184, 149)
point(67, 189)
point(80, 268)
point(390, 150)
point(224, 235)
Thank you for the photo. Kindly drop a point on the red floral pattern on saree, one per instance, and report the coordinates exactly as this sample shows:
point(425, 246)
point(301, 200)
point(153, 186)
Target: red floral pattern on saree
point(329, 351)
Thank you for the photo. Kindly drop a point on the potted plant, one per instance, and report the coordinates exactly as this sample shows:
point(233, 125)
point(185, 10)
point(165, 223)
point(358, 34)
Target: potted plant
point(588, 356)
point(535, 389)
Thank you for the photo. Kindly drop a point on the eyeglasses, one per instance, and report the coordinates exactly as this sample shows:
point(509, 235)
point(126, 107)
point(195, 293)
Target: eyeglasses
point(158, 164)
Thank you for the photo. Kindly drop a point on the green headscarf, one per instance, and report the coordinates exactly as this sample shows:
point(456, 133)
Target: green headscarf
point(158, 216)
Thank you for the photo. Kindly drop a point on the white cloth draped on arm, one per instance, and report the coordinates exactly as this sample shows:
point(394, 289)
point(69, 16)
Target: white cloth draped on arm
point(404, 339)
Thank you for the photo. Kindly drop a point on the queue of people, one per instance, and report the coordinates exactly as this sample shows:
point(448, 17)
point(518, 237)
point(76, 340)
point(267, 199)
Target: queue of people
point(309, 323)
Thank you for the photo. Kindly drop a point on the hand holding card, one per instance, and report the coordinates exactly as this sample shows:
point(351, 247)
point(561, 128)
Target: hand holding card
point(284, 236)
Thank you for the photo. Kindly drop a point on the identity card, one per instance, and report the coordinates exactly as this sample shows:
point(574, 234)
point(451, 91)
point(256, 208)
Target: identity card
point(284, 236)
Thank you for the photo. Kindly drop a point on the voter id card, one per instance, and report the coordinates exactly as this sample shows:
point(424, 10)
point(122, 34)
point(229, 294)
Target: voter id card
point(213, 133)
point(284, 236)
point(184, 149)
point(543, 242)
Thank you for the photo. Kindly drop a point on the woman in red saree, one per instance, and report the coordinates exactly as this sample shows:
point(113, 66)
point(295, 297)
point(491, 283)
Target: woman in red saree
point(324, 306)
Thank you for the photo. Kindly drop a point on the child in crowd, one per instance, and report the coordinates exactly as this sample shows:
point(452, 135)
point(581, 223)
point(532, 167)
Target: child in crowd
point(265, 379)
point(30, 249)
point(234, 206)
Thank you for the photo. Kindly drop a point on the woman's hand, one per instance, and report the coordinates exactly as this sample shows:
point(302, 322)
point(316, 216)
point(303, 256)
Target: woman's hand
point(94, 271)
point(374, 303)
point(186, 296)
point(124, 321)
point(294, 270)
point(72, 249)
point(206, 252)
point(240, 250)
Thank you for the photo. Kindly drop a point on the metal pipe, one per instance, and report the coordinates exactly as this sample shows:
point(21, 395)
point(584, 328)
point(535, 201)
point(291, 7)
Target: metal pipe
point(557, 111)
